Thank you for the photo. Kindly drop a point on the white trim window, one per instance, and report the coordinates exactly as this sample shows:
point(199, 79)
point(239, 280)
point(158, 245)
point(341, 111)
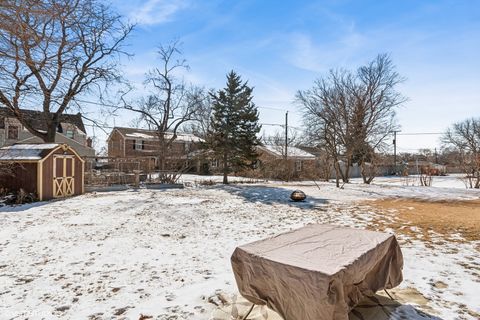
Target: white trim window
point(298, 165)
point(138, 145)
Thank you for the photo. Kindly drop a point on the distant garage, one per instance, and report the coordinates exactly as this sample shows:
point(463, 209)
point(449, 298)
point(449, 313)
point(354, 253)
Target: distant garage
point(49, 170)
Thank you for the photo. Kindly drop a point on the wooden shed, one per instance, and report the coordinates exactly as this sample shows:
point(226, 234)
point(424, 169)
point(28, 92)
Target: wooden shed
point(49, 170)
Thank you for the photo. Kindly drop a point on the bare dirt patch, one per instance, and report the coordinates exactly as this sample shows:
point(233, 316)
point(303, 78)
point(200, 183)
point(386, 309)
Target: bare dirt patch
point(444, 217)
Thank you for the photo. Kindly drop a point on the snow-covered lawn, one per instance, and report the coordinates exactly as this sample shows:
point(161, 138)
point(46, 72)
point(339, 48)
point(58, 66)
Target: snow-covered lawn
point(164, 253)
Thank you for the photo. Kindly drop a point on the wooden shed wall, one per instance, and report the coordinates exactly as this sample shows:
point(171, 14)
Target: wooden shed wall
point(47, 174)
point(25, 177)
point(79, 176)
point(47, 177)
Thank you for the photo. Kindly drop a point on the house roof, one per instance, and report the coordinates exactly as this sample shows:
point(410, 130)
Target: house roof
point(312, 150)
point(144, 134)
point(36, 119)
point(292, 152)
point(26, 151)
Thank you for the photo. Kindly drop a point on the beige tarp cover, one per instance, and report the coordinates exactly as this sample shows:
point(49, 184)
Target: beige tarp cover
point(318, 271)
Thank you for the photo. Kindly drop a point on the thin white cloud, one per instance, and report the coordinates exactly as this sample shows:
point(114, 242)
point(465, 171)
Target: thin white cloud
point(308, 55)
point(156, 11)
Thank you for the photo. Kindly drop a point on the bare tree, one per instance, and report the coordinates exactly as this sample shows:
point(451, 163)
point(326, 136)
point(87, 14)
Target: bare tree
point(464, 136)
point(52, 51)
point(277, 140)
point(170, 105)
point(352, 113)
point(201, 124)
point(322, 135)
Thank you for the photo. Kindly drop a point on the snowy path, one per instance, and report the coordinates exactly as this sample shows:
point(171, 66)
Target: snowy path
point(163, 253)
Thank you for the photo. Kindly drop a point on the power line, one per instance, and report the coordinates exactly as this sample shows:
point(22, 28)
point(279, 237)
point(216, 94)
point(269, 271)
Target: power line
point(272, 124)
point(260, 107)
point(418, 133)
point(272, 108)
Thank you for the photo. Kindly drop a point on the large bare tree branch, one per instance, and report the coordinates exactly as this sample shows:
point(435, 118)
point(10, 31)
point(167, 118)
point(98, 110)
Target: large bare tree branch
point(52, 51)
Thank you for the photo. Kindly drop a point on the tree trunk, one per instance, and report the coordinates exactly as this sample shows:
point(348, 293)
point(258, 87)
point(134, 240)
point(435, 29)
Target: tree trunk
point(50, 135)
point(337, 173)
point(346, 177)
point(367, 176)
point(341, 173)
point(225, 169)
point(162, 175)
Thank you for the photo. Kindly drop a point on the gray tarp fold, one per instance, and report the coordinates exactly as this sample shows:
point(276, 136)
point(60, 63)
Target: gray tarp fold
point(318, 271)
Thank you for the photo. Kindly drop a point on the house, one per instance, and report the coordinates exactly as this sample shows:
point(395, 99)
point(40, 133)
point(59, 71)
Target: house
point(425, 167)
point(271, 163)
point(71, 131)
point(142, 143)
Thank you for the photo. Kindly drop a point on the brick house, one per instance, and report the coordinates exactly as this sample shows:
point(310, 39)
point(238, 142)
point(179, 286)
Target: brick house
point(71, 131)
point(141, 143)
point(300, 164)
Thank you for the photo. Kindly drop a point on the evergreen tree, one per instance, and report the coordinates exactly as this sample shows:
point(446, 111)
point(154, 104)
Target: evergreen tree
point(234, 126)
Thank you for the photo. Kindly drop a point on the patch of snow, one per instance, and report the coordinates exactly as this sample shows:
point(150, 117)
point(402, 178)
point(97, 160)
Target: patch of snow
point(25, 151)
point(292, 152)
point(139, 135)
point(185, 137)
point(40, 146)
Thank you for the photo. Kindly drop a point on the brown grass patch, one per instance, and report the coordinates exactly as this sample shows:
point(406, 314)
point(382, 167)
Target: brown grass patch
point(444, 217)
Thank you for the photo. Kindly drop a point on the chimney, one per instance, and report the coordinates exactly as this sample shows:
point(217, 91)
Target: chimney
point(89, 142)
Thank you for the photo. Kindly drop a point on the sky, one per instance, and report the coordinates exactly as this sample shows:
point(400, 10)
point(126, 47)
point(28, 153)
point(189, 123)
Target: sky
point(281, 47)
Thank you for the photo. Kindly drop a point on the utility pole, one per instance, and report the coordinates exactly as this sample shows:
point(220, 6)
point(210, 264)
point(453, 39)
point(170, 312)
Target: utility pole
point(286, 136)
point(395, 151)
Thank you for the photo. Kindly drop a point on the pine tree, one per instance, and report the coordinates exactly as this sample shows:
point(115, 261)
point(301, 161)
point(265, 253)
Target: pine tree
point(234, 126)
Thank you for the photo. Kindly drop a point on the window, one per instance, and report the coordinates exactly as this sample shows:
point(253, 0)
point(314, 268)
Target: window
point(214, 163)
point(139, 145)
point(69, 133)
point(298, 165)
point(12, 132)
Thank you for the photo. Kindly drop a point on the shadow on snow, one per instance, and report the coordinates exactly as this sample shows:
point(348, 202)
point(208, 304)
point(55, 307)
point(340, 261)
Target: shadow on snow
point(380, 307)
point(22, 207)
point(270, 195)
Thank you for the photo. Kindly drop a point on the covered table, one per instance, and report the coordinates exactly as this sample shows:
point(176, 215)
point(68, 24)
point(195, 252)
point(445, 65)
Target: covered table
point(318, 271)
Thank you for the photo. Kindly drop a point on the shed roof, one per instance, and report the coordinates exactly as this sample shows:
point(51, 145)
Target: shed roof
point(20, 152)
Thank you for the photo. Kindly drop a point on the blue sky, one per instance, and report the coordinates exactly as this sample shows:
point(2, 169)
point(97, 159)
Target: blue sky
point(283, 46)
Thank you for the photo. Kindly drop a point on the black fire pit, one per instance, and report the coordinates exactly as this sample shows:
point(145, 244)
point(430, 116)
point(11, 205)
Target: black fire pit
point(298, 195)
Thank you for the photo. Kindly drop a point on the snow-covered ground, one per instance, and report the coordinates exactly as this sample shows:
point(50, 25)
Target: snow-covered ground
point(163, 253)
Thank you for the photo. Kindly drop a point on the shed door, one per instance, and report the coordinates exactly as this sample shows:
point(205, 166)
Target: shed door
point(63, 176)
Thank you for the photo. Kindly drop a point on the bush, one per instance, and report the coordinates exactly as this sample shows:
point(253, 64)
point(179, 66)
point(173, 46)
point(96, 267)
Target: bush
point(11, 198)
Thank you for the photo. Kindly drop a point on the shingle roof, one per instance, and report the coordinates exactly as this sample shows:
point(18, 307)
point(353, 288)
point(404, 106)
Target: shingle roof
point(293, 152)
point(36, 119)
point(26, 151)
point(144, 134)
